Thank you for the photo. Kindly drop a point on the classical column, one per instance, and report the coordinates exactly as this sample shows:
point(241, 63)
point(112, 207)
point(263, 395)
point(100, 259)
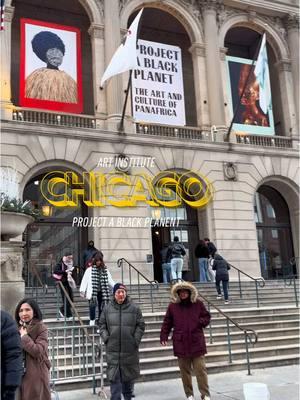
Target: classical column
point(6, 104)
point(293, 41)
point(198, 56)
point(213, 64)
point(96, 33)
point(113, 88)
point(288, 105)
point(12, 283)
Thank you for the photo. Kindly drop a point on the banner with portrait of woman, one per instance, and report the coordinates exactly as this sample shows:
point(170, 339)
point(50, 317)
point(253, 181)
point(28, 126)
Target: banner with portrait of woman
point(244, 96)
point(50, 66)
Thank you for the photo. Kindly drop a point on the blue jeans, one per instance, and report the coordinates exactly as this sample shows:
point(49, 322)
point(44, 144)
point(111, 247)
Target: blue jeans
point(225, 287)
point(166, 269)
point(117, 388)
point(93, 306)
point(203, 265)
point(176, 268)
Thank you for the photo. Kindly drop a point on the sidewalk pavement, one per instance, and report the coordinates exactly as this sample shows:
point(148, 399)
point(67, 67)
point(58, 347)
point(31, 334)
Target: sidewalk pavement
point(283, 384)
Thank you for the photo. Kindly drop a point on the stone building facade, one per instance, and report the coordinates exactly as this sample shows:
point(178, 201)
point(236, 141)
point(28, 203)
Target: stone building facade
point(245, 169)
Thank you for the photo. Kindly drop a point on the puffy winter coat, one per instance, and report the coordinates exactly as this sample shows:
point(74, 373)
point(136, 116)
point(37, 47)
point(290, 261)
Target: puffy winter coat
point(122, 327)
point(187, 318)
point(35, 383)
point(221, 267)
point(11, 356)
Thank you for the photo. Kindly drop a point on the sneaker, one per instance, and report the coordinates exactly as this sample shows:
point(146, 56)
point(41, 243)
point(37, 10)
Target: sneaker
point(191, 398)
point(226, 302)
point(219, 297)
point(92, 322)
point(61, 315)
point(206, 398)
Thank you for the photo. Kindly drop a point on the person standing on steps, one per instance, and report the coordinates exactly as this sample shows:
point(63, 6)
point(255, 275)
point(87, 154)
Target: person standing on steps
point(202, 253)
point(211, 247)
point(187, 316)
point(175, 253)
point(165, 264)
point(221, 266)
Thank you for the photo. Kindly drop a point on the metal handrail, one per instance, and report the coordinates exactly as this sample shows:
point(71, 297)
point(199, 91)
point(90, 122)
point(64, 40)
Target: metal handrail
point(289, 281)
point(153, 284)
point(250, 335)
point(259, 282)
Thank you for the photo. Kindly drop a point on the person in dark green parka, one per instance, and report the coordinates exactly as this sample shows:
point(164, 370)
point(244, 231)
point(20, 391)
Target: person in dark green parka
point(121, 328)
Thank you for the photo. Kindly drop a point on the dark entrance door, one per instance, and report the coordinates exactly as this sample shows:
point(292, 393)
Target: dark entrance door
point(273, 234)
point(187, 231)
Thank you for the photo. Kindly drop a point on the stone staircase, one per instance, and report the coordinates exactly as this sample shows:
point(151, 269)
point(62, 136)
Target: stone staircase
point(276, 322)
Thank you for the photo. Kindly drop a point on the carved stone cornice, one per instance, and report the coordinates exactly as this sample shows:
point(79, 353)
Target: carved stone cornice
point(9, 13)
point(292, 21)
point(96, 31)
point(100, 6)
point(283, 65)
point(197, 49)
point(193, 6)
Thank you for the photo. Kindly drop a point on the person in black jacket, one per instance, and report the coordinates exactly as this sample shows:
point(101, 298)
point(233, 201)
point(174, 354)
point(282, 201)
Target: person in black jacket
point(11, 357)
point(175, 253)
point(63, 273)
point(202, 253)
point(211, 247)
point(221, 266)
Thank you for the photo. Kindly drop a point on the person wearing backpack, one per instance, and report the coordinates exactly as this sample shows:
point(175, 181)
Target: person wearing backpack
point(176, 252)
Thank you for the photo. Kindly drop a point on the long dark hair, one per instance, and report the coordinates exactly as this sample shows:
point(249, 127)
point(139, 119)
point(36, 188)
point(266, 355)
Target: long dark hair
point(37, 314)
point(98, 257)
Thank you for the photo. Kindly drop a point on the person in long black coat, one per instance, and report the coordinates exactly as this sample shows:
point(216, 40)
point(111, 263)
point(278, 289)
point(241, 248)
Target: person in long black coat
point(121, 328)
point(11, 357)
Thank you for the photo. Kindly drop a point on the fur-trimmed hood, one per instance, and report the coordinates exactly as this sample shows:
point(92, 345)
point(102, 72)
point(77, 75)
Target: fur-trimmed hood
point(183, 285)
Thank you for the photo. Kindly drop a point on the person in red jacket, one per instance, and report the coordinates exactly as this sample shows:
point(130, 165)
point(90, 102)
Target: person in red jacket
point(187, 316)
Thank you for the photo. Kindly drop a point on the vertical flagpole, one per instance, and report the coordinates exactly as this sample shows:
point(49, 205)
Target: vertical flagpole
point(237, 107)
point(121, 124)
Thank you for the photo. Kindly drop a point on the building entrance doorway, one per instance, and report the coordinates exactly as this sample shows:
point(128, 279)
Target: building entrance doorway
point(274, 235)
point(187, 232)
point(50, 236)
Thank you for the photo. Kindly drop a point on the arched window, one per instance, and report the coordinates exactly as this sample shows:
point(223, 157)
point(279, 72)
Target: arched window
point(273, 233)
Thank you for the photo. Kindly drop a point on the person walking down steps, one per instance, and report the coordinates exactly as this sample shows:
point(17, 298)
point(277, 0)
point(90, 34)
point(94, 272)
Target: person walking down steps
point(187, 316)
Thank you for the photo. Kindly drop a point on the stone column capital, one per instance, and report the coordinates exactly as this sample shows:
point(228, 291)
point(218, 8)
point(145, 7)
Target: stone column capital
point(283, 65)
point(209, 6)
point(197, 49)
point(292, 21)
point(96, 31)
point(223, 52)
point(9, 13)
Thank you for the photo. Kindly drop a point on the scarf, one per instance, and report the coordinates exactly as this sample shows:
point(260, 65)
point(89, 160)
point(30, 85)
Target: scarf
point(100, 284)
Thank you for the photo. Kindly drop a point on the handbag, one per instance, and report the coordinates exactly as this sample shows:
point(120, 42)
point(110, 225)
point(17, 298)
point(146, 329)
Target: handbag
point(71, 282)
point(57, 277)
